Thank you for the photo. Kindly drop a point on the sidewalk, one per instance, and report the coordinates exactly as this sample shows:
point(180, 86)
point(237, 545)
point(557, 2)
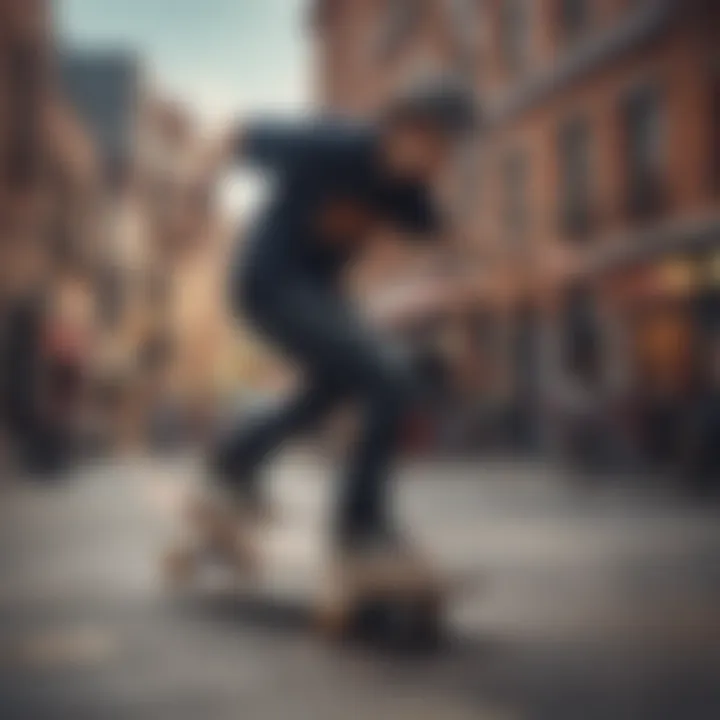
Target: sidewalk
point(600, 604)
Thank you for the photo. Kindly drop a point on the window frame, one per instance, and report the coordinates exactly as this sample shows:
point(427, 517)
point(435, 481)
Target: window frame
point(575, 197)
point(515, 171)
point(645, 188)
point(715, 126)
point(572, 28)
point(515, 35)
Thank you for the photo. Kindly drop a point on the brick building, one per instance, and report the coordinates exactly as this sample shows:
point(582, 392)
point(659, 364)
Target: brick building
point(600, 203)
point(592, 206)
point(47, 166)
point(24, 82)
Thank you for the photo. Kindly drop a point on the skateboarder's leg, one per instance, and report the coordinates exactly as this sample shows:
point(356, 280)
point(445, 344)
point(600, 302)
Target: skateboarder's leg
point(325, 335)
point(246, 445)
point(297, 317)
point(320, 333)
point(385, 391)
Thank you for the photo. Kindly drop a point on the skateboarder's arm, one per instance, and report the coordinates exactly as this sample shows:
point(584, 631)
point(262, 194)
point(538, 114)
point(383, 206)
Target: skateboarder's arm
point(413, 210)
point(269, 144)
point(279, 145)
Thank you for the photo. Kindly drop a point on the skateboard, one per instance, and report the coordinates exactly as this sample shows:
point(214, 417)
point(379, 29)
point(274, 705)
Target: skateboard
point(394, 601)
point(398, 601)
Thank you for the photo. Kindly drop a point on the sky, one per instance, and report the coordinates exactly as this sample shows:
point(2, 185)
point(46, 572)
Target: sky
point(222, 56)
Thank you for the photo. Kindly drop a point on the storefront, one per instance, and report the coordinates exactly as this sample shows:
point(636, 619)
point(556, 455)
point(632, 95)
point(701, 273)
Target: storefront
point(707, 301)
point(670, 312)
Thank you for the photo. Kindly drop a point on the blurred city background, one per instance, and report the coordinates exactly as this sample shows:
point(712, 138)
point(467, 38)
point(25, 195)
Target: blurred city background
point(572, 451)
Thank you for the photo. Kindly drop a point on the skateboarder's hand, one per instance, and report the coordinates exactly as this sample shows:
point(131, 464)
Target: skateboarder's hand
point(418, 302)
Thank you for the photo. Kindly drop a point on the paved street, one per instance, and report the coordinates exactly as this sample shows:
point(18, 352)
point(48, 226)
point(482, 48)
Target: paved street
point(597, 603)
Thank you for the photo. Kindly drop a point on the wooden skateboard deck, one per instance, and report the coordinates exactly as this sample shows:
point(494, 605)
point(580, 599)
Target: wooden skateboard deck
point(291, 565)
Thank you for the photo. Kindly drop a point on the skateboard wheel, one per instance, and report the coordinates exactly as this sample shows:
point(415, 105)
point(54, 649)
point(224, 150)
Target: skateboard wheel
point(331, 616)
point(427, 628)
point(395, 621)
point(331, 623)
point(180, 566)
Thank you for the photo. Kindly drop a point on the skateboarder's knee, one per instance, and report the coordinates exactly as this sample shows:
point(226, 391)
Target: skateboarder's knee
point(391, 384)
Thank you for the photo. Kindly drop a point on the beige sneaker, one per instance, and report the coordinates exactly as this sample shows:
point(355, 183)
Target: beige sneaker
point(223, 528)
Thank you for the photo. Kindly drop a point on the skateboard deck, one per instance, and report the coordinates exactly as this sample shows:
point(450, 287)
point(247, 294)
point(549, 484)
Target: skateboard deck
point(288, 567)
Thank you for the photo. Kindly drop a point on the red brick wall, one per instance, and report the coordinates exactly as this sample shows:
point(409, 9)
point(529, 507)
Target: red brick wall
point(681, 68)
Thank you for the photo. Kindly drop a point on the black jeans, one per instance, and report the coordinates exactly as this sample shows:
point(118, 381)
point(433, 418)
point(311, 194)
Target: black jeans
point(316, 328)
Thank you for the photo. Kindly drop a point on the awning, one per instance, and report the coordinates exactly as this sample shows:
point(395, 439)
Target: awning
point(675, 237)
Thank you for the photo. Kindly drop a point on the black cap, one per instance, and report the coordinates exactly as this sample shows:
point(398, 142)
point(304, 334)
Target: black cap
point(445, 101)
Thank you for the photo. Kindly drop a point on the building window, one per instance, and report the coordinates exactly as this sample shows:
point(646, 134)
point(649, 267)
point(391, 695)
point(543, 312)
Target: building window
point(397, 25)
point(466, 30)
point(468, 179)
point(575, 172)
point(715, 129)
point(574, 18)
point(515, 34)
point(644, 133)
point(515, 187)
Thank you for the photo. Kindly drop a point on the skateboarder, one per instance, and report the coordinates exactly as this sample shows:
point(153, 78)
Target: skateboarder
point(336, 182)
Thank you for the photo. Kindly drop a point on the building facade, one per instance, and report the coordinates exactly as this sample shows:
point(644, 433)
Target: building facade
point(24, 91)
point(47, 166)
point(600, 203)
point(591, 201)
